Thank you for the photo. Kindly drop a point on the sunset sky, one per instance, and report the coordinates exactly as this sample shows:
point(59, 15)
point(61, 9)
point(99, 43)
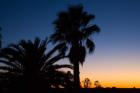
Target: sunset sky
point(116, 60)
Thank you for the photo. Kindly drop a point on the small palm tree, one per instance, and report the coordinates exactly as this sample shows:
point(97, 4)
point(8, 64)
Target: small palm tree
point(32, 62)
point(73, 28)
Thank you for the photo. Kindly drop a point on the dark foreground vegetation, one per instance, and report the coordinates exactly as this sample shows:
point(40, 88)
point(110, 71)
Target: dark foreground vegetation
point(30, 67)
point(82, 90)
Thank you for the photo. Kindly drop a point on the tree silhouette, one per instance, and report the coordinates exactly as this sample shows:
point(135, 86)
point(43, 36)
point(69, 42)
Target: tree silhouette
point(87, 83)
point(30, 61)
point(73, 28)
point(97, 84)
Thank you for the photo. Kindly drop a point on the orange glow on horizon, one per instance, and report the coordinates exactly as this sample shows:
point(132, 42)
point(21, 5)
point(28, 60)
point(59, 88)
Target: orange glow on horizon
point(116, 72)
point(117, 83)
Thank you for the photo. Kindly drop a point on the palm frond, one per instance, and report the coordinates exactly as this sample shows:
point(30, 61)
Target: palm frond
point(57, 37)
point(90, 45)
point(9, 51)
point(91, 30)
point(10, 69)
point(52, 61)
point(56, 66)
point(36, 42)
point(17, 48)
point(86, 18)
point(82, 54)
point(60, 47)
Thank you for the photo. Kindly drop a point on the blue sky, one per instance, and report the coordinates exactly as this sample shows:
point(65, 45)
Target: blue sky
point(117, 46)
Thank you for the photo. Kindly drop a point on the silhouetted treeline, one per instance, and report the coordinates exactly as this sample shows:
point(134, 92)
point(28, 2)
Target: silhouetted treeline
point(29, 66)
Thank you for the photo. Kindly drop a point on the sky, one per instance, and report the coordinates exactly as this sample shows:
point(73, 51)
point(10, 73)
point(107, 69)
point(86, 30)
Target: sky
point(116, 60)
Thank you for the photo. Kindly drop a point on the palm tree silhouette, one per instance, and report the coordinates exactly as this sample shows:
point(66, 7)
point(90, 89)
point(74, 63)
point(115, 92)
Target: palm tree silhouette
point(31, 61)
point(73, 28)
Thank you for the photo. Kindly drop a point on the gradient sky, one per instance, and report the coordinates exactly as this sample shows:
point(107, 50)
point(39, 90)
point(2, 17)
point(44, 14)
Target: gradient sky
point(116, 60)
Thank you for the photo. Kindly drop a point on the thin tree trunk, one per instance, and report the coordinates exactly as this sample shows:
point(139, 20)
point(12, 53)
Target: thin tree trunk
point(75, 60)
point(76, 75)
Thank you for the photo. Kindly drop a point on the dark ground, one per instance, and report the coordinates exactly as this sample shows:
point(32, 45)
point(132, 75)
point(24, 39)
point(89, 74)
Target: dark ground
point(93, 90)
point(90, 90)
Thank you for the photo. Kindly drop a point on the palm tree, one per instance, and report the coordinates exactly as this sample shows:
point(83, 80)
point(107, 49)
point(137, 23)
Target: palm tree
point(31, 61)
point(73, 28)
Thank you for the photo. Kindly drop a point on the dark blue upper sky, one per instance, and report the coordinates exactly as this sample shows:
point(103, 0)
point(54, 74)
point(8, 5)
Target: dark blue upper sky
point(119, 20)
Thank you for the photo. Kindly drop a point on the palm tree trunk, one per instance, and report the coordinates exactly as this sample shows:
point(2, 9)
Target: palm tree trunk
point(76, 75)
point(75, 60)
